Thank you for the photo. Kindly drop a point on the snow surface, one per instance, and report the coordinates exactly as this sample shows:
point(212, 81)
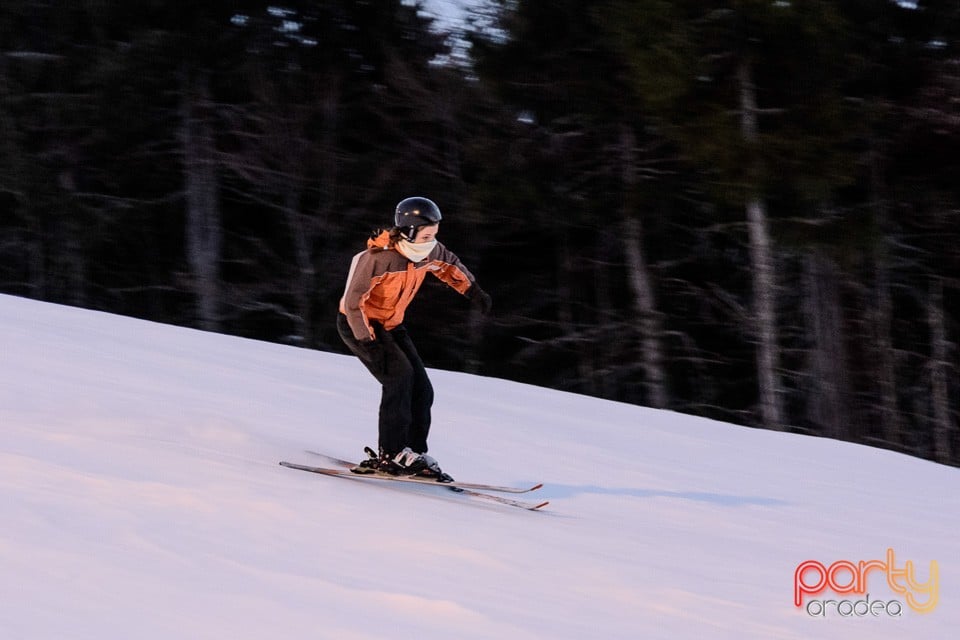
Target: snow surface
point(140, 497)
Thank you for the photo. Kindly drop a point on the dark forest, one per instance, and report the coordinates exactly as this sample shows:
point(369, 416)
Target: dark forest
point(747, 210)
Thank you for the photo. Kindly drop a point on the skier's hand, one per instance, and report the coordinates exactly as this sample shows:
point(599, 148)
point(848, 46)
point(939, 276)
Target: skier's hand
point(372, 353)
point(479, 299)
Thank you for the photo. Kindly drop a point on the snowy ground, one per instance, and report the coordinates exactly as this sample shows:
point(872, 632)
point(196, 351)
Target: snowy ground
point(140, 497)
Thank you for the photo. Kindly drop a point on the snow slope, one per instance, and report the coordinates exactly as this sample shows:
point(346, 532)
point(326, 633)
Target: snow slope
point(140, 497)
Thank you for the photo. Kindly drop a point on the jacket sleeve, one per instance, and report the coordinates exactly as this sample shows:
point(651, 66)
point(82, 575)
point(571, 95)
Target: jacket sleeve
point(448, 268)
point(359, 283)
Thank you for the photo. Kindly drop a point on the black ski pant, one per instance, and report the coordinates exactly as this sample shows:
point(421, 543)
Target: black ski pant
point(406, 396)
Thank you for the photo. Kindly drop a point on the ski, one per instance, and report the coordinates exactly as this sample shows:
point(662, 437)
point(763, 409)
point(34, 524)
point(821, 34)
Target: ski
point(462, 485)
point(346, 473)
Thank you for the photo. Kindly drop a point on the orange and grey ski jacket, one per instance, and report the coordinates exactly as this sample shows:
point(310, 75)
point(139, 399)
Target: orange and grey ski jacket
point(382, 282)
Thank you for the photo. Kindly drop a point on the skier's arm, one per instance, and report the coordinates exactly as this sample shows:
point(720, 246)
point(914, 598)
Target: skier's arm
point(357, 290)
point(452, 272)
point(448, 268)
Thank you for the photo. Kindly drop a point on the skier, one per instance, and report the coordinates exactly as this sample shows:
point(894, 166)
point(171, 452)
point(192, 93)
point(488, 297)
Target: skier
point(381, 283)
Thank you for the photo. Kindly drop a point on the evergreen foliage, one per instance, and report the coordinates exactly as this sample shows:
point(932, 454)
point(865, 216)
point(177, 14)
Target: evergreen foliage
point(601, 167)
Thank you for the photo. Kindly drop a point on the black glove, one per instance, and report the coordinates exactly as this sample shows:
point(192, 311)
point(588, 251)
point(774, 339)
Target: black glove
point(370, 351)
point(479, 299)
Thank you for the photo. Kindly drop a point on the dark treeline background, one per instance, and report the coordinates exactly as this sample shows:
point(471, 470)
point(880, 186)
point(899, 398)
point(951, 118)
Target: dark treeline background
point(746, 209)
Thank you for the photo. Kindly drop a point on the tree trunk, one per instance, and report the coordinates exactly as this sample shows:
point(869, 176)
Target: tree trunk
point(939, 394)
point(764, 278)
point(325, 217)
point(586, 367)
point(827, 398)
point(638, 277)
point(202, 192)
point(303, 257)
point(886, 368)
point(645, 308)
point(891, 429)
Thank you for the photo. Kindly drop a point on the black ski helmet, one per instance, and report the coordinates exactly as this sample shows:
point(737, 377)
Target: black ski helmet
point(413, 213)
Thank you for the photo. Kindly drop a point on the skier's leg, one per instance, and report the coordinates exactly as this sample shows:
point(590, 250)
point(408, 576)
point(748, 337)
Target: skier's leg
point(389, 365)
point(395, 401)
point(369, 354)
point(421, 393)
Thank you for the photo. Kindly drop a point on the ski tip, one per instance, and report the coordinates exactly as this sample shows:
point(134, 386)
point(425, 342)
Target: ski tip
point(539, 506)
point(537, 486)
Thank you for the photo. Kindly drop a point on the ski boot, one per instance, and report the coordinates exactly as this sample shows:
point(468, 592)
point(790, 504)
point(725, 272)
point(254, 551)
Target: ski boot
point(421, 465)
point(406, 463)
point(431, 469)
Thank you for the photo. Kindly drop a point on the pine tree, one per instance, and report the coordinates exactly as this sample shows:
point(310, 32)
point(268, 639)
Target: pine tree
point(555, 68)
point(752, 92)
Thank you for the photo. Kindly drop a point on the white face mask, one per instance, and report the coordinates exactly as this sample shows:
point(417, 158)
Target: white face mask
point(415, 251)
